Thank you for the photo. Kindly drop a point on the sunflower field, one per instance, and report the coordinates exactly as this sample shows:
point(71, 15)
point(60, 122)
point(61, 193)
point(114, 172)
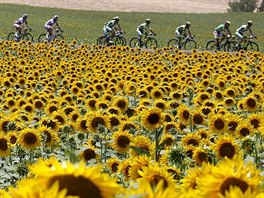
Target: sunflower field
point(92, 121)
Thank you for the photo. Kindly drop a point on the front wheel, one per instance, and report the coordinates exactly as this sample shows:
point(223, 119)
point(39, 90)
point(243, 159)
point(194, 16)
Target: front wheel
point(12, 36)
point(120, 40)
point(230, 47)
point(211, 45)
point(27, 37)
point(252, 46)
point(189, 45)
point(151, 43)
point(133, 42)
point(59, 37)
point(42, 38)
point(101, 40)
point(173, 43)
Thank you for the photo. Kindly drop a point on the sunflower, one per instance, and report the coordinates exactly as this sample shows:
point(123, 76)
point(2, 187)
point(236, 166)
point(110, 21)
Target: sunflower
point(121, 141)
point(153, 174)
point(5, 148)
point(96, 120)
point(112, 164)
point(143, 145)
point(250, 104)
point(191, 139)
point(79, 180)
point(152, 118)
point(59, 117)
point(170, 127)
point(160, 103)
point(89, 155)
point(49, 137)
point(233, 120)
point(156, 93)
point(168, 140)
point(91, 104)
point(229, 102)
point(198, 118)
point(229, 174)
point(124, 168)
point(50, 123)
point(184, 114)
point(29, 138)
point(225, 146)
point(217, 123)
point(128, 125)
point(121, 103)
point(50, 108)
point(200, 156)
point(245, 129)
point(137, 163)
point(255, 119)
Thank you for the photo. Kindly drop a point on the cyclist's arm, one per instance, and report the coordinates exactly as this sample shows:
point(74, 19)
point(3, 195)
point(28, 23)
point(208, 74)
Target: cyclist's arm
point(250, 31)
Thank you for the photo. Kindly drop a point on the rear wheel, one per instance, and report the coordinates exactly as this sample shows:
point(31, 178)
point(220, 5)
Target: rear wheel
point(42, 38)
point(211, 45)
point(252, 46)
point(189, 45)
point(27, 37)
point(173, 43)
point(101, 40)
point(151, 43)
point(133, 42)
point(120, 40)
point(12, 36)
point(230, 47)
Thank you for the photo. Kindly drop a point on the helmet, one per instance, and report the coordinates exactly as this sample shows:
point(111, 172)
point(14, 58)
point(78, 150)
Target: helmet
point(55, 17)
point(249, 22)
point(188, 23)
point(148, 20)
point(25, 16)
point(227, 23)
point(116, 18)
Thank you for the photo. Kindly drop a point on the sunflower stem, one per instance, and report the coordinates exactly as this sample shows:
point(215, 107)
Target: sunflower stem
point(156, 145)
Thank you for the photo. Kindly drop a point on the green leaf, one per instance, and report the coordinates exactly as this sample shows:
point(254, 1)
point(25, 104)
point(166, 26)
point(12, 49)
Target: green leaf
point(140, 151)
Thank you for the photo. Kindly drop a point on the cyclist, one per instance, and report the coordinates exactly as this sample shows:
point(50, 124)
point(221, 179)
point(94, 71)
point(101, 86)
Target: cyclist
point(49, 26)
point(183, 31)
point(241, 30)
point(220, 33)
point(20, 24)
point(144, 29)
point(110, 28)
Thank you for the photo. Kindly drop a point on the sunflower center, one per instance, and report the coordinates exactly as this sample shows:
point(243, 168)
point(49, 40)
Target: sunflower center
point(114, 167)
point(186, 114)
point(227, 149)
point(47, 136)
point(38, 104)
point(89, 154)
point(154, 180)
point(153, 118)
point(232, 125)
point(123, 141)
point(3, 144)
point(30, 138)
point(197, 119)
point(255, 123)
point(202, 156)
point(83, 124)
point(77, 186)
point(194, 142)
point(121, 104)
point(251, 103)
point(244, 131)
point(114, 121)
point(233, 182)
point(219, 124)
point(97, 121)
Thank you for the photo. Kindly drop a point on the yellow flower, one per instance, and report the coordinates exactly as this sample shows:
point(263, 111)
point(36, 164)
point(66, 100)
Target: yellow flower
point(152, 118)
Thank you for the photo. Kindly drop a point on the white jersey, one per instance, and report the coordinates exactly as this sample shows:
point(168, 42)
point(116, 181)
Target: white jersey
point(20, 21)
point(242, 29)
point(50, 22)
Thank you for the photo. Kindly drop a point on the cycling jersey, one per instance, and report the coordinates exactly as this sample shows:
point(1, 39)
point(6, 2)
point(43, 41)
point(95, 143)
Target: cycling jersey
point(220, 28)
point(242, 29)
point(181, 29)
point(50, 22)
point(143, 27)
point(20, 21)
point(110, 24)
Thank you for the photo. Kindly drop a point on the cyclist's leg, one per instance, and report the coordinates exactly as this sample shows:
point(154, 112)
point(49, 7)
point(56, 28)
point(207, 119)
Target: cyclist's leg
point(140, 33)
point(18, 30)
point(240, 38)
point(216, 37)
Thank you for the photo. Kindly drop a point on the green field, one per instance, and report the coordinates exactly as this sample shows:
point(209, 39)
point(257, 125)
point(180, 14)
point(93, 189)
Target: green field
point(86, 26)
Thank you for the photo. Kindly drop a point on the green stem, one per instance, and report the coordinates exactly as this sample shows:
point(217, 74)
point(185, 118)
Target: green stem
point(156, 145)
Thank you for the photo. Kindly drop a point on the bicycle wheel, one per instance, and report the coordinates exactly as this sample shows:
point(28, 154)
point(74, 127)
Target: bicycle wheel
point(59, 37)
point(12, 36)
point(133, 42)
point(252, 46)
point(173, 43)
point(27, 37)
point(211, 45)
point(230, 47)
point(189, 45)
point(42, 38)
point(101, 40)
point(120, 40)
point(151, 43)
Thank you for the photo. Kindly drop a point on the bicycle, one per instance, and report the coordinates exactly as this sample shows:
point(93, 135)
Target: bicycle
point(227, 45)
point(118, 39)
point(148, 41)
point(24, 36)
point(248, 44)
point(187, 43)
point(45, 37)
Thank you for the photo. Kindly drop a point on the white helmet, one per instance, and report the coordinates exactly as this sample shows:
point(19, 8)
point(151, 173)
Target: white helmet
point(116, 18)
point(188, 23)
point(148, 21)
point(25, 16)
point(55, 17)
point(249, 22)
point(227, 23)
